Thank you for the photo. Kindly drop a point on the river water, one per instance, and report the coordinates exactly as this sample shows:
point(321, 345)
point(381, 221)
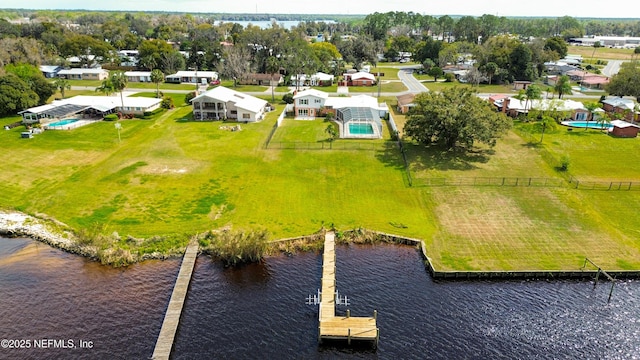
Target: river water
point(259, 311)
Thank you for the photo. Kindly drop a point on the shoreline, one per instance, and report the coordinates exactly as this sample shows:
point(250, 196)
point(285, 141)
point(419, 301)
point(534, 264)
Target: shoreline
point(57, 235)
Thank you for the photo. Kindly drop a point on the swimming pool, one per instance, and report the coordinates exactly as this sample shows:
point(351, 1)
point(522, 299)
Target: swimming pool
point(361, 129)
point(63, 122)
point(587, 124)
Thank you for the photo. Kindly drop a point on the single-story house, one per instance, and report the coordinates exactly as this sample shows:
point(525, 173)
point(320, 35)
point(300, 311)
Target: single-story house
point(521, 84)
point(261, 79)
point(321, 79)
point(222, 103)
point(594, 81)
point(128, 57)
point(558, 67)
point(88, 107)
point(357, 116)
point(578, 75)
point(193, 77)
point(138, 76)
point(624, 129)
point(513, 107)
point(83, 74)
point(405, 102)
point(50, 71)
point(626, 107)
point(359, 79)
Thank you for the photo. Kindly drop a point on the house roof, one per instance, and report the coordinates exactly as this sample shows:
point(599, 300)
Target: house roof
point(405, 99)
point(623, 124)
point(240, 100)
point(497, 97)
point(77, 71)
point(620, 102)
point(542, 104)
point(593, 80)
point(363, 75)
point(109, 102)
point(137, 73)
point(188, 73)
point(311, 92)
point(322, 76)
point(49, 68)
point(360, 101)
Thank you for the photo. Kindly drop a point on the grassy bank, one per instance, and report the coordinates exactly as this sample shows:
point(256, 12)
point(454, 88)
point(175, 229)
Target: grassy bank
point(169, 179)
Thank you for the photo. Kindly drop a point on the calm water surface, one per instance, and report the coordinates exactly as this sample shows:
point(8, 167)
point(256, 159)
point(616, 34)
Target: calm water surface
point(259, 312)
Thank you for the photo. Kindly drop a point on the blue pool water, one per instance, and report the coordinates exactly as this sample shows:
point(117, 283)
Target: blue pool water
point(63, 122)
point(585, 124)
point(361, 129)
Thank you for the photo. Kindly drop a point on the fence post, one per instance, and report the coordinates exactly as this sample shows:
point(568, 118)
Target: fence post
point(610, 185)
point(629, 186)
point(545, 182)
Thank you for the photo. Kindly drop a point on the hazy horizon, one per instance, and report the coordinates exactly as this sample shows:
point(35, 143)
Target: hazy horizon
point(541, 8)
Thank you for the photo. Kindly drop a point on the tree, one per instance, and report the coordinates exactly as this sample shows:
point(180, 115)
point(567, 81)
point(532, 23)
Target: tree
point(436, 72)
point(455, 116)
point(331, 131)
point(520, 63)
point(119, 83)
point(106, 87)
point(546, 122)
point(62, 85)
point(558, 45)
point(87, 48)
point(157, 76)
point(273, 67)
point(490, 68)
point(596, 45)
point(591, 107)
point(236, 63)
point(32, 76)
point(15, 95)
point(627, 81)
point(533, 92)
point(562, 86)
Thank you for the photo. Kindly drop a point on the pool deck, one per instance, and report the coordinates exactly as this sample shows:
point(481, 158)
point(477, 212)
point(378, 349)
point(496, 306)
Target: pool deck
point(69, 126)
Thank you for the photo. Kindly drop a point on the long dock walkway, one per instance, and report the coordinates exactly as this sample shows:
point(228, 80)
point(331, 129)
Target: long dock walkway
point(339, 327)
point(174, 310)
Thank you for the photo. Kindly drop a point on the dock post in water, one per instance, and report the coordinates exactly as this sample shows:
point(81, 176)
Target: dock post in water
point(340, 327)
point(174, 310)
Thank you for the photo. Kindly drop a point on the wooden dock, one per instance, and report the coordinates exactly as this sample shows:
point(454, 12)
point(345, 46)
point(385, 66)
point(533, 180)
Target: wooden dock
point(174, 310)
point(339, 327)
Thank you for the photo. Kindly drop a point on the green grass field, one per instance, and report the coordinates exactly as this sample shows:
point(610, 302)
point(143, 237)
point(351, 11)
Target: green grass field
point(177, 178)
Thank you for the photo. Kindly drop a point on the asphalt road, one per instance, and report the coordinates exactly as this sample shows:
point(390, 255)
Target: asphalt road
point(612, 67)
point(414, 86)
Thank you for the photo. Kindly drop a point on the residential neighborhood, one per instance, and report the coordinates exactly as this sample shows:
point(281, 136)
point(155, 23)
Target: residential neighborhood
point(280, 180)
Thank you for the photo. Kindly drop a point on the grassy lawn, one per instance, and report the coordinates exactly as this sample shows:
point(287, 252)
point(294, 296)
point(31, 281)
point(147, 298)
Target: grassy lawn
point(389, 73)
point(482, 88)
point(601, 53)
point(174, 177)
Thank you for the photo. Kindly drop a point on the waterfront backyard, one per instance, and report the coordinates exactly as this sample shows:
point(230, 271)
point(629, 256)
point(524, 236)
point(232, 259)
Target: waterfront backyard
point(171, 178)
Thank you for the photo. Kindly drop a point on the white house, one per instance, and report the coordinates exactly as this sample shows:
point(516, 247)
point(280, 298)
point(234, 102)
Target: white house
point(50, 71)
point(88, 107)
point(514, 107)
point(357, 116)
point(138, 76)
point(221, 103)
point(193, 77)
point(83, 74)
point(321, 79)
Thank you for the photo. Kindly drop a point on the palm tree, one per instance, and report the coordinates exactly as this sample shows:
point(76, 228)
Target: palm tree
point(272, 68)
point(563, 86)
point(490, 68)
point(591, 107)
point(106, 87)
point(62, 85)
point(119, 83)
point(533, 92)
point(157, 76)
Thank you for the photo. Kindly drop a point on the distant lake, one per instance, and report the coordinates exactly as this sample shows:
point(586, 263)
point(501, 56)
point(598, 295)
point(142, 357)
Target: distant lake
point(287, 24)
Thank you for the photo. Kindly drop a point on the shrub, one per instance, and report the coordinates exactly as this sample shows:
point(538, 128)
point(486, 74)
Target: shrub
point(449, 77)
point(288, 98)
point(111, 117)
point(189, 96)
point(564, 163)
point(237, 247)
point(167, 103)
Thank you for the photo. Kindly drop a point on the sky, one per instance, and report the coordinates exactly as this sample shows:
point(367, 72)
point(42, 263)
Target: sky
point(552, 8)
